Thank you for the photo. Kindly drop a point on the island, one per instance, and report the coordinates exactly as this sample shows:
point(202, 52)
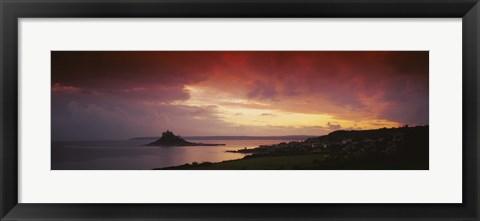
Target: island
point(403, 148)
point(170, 139)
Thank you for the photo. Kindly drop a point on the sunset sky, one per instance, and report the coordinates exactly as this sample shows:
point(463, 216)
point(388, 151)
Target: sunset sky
point(119, 95)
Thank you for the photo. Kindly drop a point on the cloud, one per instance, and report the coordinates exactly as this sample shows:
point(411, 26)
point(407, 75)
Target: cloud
point(59, 88)
point(262, 90)
point(192, 91)
point(331, 126)
point(93, 121)
point(267, 115)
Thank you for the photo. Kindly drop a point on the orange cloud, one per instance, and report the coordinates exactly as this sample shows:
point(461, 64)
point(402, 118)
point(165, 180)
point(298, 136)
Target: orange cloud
point(259, 92)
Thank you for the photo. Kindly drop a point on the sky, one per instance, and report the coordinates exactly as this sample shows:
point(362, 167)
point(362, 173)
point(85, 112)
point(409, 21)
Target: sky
point(122, 94)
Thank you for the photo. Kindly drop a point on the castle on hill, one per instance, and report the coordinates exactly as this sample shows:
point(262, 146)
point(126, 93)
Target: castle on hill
point(168, 138)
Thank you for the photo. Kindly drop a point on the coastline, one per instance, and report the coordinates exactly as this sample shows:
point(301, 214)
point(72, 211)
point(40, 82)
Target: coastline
point(382, 149)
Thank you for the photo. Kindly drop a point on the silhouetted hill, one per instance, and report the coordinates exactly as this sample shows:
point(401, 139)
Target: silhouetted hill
point(405, 148)
point(170, 139)
point(287, 137)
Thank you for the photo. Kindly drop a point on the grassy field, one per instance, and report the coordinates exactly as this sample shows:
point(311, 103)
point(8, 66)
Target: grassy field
point(294, 162)
point(306, 162)
point(382, 149)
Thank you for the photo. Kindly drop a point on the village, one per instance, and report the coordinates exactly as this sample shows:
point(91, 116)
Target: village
point(378, 149)
point(343, 145)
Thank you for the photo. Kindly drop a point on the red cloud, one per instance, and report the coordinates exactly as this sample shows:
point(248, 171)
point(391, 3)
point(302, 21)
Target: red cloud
point(347, 84)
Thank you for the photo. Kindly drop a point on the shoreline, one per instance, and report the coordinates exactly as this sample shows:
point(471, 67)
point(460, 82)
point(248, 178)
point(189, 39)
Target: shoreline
point(380, 149)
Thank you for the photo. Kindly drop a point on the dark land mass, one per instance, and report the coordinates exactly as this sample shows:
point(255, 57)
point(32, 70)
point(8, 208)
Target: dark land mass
point(405, 148)
point(170, 139)
point(289, 137)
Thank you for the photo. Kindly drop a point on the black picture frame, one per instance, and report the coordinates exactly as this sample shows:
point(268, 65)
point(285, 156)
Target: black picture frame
point(12, 10)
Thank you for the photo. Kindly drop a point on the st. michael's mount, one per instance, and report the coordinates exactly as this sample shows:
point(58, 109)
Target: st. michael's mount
point(170, 139)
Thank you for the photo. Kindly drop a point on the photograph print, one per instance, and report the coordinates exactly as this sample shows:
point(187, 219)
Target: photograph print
point(239, 110)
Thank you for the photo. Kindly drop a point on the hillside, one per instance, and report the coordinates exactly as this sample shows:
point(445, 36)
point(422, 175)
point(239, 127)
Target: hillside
point(170, 139)
point(381, 149)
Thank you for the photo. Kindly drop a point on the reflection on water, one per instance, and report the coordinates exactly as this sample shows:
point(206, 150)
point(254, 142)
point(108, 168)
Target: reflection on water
point(131, 155)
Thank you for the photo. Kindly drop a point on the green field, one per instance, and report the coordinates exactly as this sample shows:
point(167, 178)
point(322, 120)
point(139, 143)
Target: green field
point(294, 162)
point(405, 148)
point(305, 162)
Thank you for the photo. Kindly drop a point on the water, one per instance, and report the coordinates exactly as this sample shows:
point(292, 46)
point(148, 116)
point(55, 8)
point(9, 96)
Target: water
point(131, 155)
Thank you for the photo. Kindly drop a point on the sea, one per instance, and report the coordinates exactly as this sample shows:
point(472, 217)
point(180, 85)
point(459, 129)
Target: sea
point(134, 155)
